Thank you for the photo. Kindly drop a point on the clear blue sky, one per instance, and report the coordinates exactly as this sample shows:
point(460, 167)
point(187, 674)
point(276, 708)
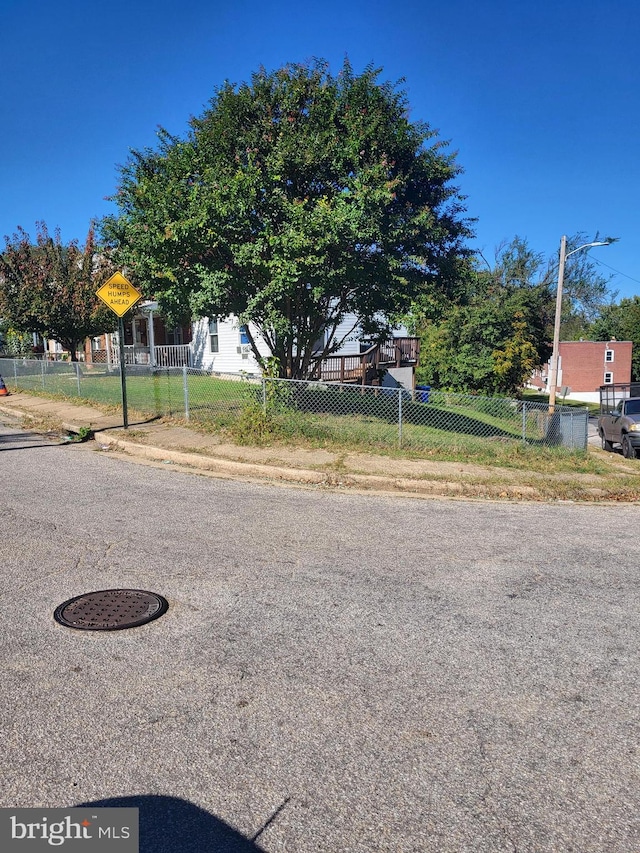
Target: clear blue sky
point(541, 100)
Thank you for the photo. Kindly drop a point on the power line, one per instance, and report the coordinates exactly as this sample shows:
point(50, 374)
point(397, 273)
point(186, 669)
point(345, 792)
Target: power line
point(602, 264)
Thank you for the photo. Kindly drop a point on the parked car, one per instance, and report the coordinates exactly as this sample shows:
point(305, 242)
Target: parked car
point(621, 426)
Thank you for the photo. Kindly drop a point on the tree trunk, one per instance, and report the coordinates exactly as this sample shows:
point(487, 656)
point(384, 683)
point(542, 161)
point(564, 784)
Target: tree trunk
point(71, 347)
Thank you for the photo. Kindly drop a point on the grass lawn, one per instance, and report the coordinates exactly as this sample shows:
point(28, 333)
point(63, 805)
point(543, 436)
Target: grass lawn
point(534, 397)
point(159, 394)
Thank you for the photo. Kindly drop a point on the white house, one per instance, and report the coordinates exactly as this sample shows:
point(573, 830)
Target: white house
point(221, 345)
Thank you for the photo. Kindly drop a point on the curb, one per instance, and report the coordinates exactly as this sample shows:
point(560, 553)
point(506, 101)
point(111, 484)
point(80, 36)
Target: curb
point(305, 477)
point(16, 414)
point(110, 438)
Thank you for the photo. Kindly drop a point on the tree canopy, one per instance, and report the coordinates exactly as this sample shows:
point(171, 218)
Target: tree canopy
point(295, 201)
point(492, 339)
point(49, 287)
point(499, 326)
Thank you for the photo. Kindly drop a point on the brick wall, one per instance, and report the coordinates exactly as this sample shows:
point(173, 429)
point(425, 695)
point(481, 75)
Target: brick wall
point(583, 364)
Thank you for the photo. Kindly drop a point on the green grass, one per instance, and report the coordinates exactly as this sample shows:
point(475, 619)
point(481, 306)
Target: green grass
point(285, 426)
point(160, 394)
point(450, 418)
point(534, 397)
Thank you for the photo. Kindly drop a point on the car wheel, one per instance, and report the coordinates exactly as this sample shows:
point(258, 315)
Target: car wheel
point(606, 445)
point(628, 450)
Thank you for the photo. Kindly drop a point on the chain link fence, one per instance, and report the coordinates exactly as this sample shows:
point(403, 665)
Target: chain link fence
point(180, 392)
point(347, 413)
point(423, 418)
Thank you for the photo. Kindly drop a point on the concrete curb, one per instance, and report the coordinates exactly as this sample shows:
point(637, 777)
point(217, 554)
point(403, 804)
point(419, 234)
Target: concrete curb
point(262, 472)
point(110, 437)
point(300, 476)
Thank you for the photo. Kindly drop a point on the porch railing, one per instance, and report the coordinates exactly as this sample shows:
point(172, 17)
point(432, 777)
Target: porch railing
point(399, 351)
point(362, 367)
point(164, 356)
point(173, 356)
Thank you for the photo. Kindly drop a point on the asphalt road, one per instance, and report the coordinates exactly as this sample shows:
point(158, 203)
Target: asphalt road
point(336, 672)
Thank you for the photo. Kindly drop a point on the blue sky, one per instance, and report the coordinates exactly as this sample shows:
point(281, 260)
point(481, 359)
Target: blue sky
point(539, 99)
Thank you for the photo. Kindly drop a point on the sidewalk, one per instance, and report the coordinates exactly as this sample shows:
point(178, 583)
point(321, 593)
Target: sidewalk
point(161, 443)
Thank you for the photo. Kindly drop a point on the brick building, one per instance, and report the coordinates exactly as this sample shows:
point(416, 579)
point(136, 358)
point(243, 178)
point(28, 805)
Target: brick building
point(586, 365)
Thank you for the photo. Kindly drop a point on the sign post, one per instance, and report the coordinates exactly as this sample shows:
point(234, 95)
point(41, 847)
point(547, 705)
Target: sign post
point(123, 381)
point(120, 295)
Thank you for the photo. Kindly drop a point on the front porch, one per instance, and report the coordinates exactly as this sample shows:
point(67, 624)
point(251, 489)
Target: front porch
point(147, 341)
point(179, 355)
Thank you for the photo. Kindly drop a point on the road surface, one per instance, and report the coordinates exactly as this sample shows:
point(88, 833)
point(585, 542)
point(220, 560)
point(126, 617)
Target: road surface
point(336, 672)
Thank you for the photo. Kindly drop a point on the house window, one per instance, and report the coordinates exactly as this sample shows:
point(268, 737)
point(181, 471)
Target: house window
point(244, 337)
point(608, 355)
point(175, 336)
point(318, 344)
point(213, 335)
point(608, 378)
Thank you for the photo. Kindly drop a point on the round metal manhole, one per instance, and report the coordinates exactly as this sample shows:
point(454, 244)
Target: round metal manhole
point(111, 609)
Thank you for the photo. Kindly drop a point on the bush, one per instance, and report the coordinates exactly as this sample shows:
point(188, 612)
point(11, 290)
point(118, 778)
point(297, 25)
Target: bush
point(253, 425)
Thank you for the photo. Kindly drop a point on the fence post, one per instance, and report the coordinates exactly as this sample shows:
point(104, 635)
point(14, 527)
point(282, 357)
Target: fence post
point(524, 420)
point(399, 417)
point(15, 371)
point(264, 394)
point(185, 389)
point(76, 364)
point(43, 381)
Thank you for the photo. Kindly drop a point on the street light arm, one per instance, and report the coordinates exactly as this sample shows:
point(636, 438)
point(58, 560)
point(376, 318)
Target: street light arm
point(588, 246)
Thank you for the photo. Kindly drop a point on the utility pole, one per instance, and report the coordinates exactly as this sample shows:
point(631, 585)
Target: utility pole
point(555, 357)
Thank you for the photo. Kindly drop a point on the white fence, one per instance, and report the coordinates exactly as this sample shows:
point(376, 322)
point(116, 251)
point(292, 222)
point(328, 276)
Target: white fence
point(161, 356)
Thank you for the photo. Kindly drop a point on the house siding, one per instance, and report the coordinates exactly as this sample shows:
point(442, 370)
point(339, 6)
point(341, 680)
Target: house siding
point(352, 343)
point(228, 359)
point(232, 356)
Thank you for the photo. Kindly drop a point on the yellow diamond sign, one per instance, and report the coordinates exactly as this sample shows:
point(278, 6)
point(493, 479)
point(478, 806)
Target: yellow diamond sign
point(119, 294)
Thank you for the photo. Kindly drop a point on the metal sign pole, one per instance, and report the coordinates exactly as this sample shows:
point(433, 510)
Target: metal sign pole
point(120, 295)
point(123, 380)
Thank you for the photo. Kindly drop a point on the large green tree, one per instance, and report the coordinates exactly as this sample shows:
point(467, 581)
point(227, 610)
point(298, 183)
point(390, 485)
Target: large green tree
point(49, 287)
point(491, 340)
point(499, 326)
point(294, 202)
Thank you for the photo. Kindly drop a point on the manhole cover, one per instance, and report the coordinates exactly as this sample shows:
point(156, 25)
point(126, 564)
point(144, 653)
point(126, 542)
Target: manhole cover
point(110, 609)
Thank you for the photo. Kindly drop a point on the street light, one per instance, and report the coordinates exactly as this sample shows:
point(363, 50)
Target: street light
point(555, 356)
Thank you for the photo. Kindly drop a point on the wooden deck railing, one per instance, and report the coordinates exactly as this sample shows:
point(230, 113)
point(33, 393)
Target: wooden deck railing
point(363, 367)
point(400, 351)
